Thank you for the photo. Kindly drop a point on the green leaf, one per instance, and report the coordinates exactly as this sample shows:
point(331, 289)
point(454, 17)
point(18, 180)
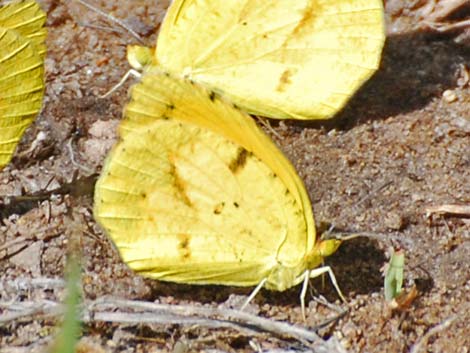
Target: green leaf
point(393, 280)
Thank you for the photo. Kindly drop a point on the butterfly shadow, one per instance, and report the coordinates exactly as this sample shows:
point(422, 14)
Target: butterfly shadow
point(203, 294)
point(416, 67)
point(357, 266)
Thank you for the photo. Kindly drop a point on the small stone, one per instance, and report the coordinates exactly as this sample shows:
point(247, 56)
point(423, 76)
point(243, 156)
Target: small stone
point(29, 258)
point(393, 221)
point(449, 96)
point(180, 347)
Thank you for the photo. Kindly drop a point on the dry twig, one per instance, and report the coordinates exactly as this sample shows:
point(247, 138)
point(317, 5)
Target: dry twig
point(138, 312)
point(26, 309)
point(185, 314)
point(444, 8)
point(459, 210)
point(21, 283)
point(112, 19)
point(447, 27)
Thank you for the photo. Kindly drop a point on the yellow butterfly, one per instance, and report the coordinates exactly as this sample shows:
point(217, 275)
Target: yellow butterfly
point(22, 51)
point(196, 193)
point(294, 59)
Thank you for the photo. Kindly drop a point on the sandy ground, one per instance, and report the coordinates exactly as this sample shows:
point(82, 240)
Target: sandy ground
point(400, 147)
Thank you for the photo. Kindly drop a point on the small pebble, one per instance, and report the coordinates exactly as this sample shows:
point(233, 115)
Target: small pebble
point(393, 221)
point(449, 96)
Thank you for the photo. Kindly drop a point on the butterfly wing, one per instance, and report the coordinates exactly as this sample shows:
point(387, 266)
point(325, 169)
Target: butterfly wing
point(187, 201)
point(21, 72)
point(220, 117)
point(299, 59)
point(27, 19)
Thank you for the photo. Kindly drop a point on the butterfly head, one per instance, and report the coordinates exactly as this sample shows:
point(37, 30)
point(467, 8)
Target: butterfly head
point(139, 57)
point(328, 246)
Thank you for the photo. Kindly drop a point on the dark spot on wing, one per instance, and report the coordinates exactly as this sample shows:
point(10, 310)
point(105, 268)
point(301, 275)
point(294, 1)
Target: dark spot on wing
point(219, 208)
point(152, 219)
point(239, 161)
point(284, 80)
point(248, 232)
point(305, 23)
point(212, 96)
point(184, 241)
point(179, 184)
point(183, 245)
point(236, 204)
point(308, 17)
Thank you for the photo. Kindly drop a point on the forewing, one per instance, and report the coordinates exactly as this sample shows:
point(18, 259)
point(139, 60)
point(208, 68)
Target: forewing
point(299, 59)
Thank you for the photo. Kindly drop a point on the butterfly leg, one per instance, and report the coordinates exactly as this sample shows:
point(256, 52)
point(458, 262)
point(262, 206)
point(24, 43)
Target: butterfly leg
point(132, 72)
point(303, 293)
point(327, 269)
point(253, 294)
point(315, 273)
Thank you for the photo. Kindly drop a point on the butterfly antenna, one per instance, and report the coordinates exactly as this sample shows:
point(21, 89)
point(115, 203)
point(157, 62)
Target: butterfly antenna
point(343, 236)
point(112, 19)
point(131, 72)
point(253, 294)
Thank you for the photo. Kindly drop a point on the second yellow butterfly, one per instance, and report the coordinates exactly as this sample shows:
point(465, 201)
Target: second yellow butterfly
point(283, 59)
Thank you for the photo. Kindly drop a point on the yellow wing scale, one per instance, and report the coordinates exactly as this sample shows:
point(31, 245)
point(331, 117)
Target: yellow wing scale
point(282, 59)
point(22, 51)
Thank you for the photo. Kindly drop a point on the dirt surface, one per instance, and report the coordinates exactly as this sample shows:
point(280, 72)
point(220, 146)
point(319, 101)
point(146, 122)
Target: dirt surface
point(400, 147)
